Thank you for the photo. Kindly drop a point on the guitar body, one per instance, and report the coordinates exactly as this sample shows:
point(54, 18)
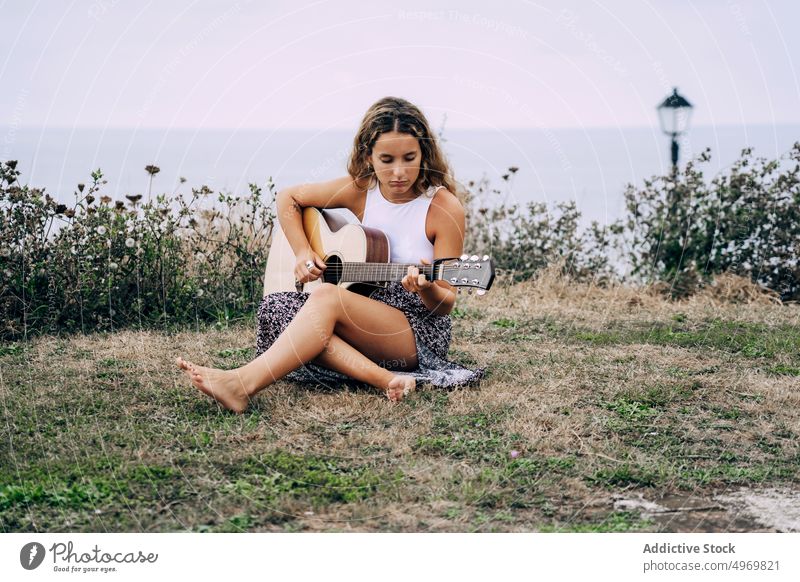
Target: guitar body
point(330, 235)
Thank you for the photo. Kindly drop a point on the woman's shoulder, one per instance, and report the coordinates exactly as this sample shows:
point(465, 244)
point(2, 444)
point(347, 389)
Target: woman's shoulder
point(445, 213)
point(445, 201)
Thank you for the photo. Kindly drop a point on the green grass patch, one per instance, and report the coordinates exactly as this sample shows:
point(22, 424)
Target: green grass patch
point(317, 480)
point(459, 447)
point(783, 370)
point(637, 409)
point(233, 358)
point(12, 349)
point(235, 524)
point(752, 340)
point(512, 484)
point(624, 475)
point(236, 353)
point(468, 436)
point(462, 357)
point(84, 488)
point(633, 410)
point(466, 313)
point(618, 521)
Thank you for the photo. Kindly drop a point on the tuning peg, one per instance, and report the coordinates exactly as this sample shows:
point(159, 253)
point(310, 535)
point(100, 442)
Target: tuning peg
point(473, 258)
point(464, 257)
point(481, 292)
point(485, 257)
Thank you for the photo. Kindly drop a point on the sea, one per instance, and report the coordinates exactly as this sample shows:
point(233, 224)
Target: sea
point(591, 166)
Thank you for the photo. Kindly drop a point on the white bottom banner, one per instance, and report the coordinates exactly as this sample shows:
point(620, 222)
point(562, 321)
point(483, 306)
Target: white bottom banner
point(406, 557)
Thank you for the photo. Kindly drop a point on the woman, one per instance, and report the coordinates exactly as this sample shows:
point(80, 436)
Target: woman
point(400, 183)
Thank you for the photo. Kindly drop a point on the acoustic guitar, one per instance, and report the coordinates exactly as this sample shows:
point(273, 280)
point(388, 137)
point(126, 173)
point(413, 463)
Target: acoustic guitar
point(357, 257)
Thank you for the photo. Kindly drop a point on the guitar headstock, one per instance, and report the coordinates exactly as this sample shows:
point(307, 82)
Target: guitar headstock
point(466, 271)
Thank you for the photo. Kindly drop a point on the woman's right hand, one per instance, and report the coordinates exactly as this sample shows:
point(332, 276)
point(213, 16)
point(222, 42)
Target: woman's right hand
point(301, 271)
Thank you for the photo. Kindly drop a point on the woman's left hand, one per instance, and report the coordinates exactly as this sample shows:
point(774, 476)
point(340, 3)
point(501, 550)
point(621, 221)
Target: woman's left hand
point(414, 281)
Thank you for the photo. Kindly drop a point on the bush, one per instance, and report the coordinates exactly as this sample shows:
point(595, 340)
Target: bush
point(522, 240)
point(102, 264)
point(746, 221)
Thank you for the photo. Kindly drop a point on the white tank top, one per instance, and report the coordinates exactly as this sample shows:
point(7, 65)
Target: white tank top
point(404, 224)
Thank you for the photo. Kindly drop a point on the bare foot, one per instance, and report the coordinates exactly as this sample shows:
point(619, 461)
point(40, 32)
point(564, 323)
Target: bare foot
point(400, 386)
point(224, 386)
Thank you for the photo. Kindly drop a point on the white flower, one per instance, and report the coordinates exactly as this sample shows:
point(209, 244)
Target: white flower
point(747, 266)
point(199, 292)
point(129, 242)
point(113, 266)
point(101, 230)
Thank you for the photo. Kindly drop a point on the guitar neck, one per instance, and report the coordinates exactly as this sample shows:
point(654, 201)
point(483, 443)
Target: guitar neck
point(374, 272)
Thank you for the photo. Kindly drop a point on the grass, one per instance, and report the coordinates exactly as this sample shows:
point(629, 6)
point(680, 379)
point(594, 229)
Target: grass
point(616, 522)
point(591, 396)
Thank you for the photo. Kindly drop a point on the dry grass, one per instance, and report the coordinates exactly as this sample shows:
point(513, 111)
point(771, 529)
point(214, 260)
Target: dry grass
point(604, 392)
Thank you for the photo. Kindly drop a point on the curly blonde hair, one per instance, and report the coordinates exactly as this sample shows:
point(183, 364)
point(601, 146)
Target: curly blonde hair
point(397, 114)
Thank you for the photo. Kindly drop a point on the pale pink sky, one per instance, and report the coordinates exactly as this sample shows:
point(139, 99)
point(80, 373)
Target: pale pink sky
point(247, 64)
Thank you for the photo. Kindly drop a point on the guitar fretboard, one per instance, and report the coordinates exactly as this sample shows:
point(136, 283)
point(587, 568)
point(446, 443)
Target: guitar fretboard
point(373, 272)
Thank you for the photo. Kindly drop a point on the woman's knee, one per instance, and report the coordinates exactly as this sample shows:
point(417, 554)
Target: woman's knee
point(324, 290)
point(326, 293)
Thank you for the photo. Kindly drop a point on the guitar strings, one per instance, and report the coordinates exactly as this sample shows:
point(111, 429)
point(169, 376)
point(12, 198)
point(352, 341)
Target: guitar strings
point(354, 272)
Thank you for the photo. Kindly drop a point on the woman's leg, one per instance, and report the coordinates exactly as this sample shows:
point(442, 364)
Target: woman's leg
point(370, 331)
point(340, 356)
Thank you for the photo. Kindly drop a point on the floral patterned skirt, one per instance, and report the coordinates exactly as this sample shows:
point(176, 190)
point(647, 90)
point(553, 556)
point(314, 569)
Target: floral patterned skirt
point(431, 332)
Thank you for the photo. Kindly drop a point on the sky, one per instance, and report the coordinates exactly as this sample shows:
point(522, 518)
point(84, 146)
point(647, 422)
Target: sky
point(467, 64)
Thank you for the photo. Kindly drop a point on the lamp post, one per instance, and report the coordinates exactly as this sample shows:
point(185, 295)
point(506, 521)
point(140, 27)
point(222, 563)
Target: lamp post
point(674, 113)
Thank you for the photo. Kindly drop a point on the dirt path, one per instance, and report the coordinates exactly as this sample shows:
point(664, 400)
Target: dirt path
point(744, 510)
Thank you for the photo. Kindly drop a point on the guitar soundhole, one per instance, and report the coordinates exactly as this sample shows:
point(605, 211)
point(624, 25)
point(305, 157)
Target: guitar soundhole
point(333, 272)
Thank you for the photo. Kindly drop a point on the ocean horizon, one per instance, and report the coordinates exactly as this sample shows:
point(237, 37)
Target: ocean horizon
point(590, 166)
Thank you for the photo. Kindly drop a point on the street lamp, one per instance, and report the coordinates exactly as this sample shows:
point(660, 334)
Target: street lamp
point(674, 113)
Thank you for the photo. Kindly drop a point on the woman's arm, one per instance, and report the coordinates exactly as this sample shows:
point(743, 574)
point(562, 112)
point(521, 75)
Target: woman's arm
point(338, 193)
point(447, 215)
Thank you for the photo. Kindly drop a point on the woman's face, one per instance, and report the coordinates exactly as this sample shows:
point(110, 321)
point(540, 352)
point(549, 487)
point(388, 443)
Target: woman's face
point(396, 158)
